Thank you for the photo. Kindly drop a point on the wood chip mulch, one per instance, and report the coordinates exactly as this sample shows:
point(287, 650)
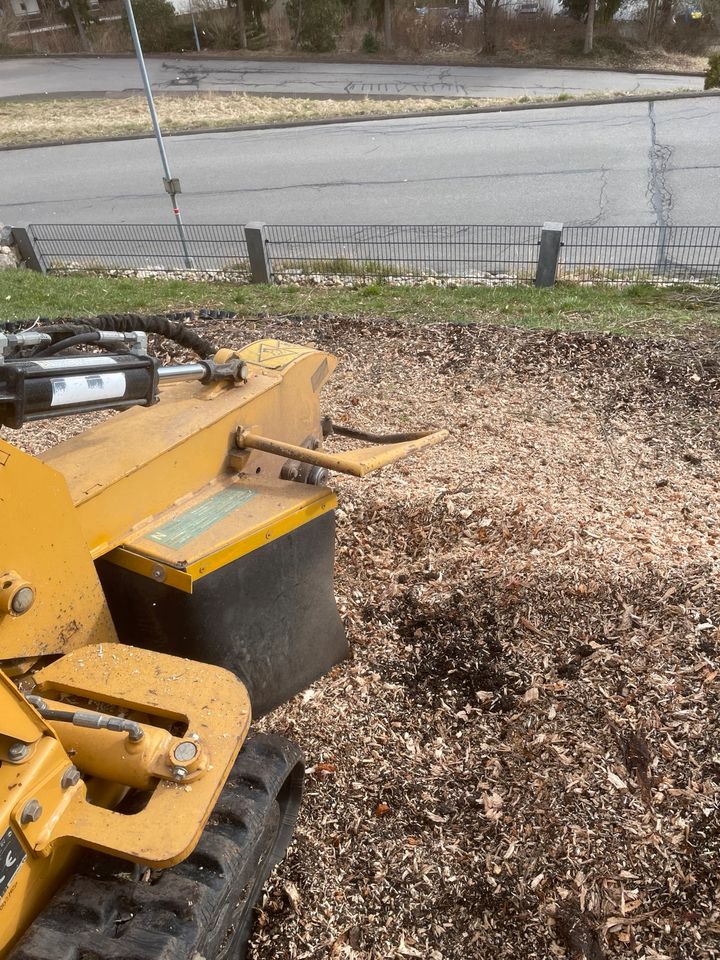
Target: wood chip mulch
point(522, 757)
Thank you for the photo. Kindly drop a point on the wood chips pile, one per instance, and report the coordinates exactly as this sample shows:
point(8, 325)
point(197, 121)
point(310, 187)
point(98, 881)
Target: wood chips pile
point(522, 757)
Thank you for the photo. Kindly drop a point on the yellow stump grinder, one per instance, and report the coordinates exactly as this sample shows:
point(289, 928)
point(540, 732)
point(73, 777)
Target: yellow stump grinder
point(166, 576)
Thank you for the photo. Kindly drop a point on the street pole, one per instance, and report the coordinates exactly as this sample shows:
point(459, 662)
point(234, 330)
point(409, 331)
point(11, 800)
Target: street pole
point(195, 33)
point(172, 186)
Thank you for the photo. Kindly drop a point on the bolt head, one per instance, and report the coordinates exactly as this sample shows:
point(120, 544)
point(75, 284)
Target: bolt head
point(70, 777)
point(185, 752)
point(179, 774)
point(32, 811)
point(22, 601)
point(18, 751)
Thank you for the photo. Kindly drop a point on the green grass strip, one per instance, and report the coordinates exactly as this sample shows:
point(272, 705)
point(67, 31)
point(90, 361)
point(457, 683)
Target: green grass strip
point(639, 310)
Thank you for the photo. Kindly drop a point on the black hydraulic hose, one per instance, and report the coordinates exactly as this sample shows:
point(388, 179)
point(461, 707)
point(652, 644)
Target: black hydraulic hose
point(91, 336)
point(170, 329)
point(329, 428)
point(170, 326)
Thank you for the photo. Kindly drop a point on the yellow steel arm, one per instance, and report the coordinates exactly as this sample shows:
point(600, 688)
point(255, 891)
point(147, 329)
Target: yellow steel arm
point(355, 462)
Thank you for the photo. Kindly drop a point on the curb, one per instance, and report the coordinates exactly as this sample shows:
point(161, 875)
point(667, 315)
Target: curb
point(289, 57)
point(208, 94)
point(321, 122)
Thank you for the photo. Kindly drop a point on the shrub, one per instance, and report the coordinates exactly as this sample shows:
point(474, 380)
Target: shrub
point(712, 77)
point(315, 24)
point(370, 43)
point(156, 24)
point(218, 28)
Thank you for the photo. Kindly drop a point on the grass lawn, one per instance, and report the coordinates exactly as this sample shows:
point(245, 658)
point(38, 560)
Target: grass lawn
point(32, 122)
point(632, 310)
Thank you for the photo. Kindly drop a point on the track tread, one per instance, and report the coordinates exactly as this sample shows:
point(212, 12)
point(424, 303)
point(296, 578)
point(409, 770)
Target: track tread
point(102, 914)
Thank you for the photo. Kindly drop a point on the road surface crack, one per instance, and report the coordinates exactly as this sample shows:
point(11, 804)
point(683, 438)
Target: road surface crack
point(602, 204)
point(658, 190)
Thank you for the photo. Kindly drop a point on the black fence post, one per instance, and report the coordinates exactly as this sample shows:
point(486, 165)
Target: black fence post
point(29, 255)
point(258, 254)
point(548, 254)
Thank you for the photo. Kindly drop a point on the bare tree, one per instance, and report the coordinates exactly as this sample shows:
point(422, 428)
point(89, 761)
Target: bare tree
point(489, 9)
point(72, 7)
point(589, 28)
point(659, 18)
point(242, 32)
point(239, 21)
point(298, 25)
point(387, 24)
point(652, 12)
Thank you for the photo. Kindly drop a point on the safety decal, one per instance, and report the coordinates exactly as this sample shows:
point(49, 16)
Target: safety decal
point(12, 857)
point(87, 388)
point(273, 354)
point(200, 517)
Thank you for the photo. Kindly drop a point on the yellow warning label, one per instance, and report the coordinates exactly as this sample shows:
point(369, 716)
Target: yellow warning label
point(273, 354)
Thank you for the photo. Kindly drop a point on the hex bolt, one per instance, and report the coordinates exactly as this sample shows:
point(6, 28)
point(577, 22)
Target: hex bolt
point(32, 811)
point(179, 773)
point(18, 751)
point(23, 600)
point(70, 777)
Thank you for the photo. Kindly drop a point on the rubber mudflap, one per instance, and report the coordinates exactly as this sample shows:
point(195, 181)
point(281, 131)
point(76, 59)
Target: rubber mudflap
point(269, 616)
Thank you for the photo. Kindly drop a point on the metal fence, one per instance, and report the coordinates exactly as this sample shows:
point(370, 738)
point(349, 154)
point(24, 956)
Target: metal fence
point(142, 247)
point(618, 255)
point(405, 254)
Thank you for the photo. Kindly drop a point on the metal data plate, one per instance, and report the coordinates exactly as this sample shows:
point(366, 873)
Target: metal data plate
point(12, 857)
point(195, 520)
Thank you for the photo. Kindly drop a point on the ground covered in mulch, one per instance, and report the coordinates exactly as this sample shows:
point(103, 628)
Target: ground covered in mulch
point(521, 758)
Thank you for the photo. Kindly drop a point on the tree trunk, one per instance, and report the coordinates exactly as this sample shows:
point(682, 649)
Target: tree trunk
point(665, 17)
point(80, 26)
point(240, 15)
point(651, 19)
point(298, 26)
point(387, 24)
point(489, 8)
point(589, 28)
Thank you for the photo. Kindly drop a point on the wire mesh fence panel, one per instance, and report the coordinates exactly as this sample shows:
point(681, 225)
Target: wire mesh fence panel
point(145, 247)
point(405, 254)
point(470, 254)
point(652, 254)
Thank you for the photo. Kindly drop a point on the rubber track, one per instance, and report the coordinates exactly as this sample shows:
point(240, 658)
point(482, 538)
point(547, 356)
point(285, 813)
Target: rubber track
point(196, 907)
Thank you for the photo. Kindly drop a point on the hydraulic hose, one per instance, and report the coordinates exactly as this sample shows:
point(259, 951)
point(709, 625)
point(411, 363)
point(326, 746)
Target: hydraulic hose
point(90, 336)
point(169, 326)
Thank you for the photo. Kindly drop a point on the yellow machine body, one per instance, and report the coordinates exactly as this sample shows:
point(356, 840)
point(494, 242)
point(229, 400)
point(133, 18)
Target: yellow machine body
point(157, 513)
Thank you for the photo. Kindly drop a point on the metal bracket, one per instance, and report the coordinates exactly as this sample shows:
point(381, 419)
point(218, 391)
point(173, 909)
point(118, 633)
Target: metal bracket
point(212, 702)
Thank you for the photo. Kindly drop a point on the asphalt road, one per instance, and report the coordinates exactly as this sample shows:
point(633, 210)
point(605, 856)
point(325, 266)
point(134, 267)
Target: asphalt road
point(54, 75)
point(634, 163)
